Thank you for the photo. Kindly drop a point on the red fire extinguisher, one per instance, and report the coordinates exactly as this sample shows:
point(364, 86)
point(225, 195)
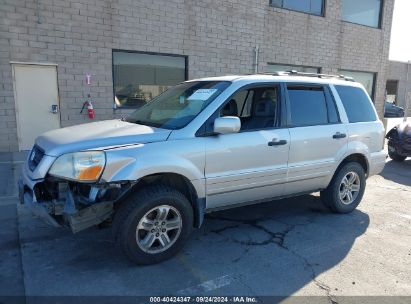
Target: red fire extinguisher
point(90, 109)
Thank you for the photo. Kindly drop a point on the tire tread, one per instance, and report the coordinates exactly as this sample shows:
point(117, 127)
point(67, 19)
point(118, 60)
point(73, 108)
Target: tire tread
point(138, 200)
point(328, 196)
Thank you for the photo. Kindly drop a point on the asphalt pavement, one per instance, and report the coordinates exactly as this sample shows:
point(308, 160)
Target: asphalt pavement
point(292, 247)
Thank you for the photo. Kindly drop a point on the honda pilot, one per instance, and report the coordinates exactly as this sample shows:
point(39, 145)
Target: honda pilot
point(205, 145)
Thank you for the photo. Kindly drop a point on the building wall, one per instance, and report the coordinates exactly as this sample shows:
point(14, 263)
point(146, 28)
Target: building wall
point(398, 71)
point(218, 36)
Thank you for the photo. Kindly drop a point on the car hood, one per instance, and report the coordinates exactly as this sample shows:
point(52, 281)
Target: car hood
point(98, 135)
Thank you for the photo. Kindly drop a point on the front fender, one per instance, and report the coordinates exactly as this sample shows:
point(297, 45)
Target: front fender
point(179, 157)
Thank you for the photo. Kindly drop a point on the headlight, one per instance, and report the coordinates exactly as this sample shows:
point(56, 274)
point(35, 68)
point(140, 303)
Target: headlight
point(82, 166)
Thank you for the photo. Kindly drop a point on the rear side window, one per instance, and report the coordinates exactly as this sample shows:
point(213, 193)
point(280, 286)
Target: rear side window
point(356, 103)
point(308, 106)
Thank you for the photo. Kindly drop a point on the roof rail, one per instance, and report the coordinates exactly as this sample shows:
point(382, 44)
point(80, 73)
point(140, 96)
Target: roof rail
point(296, 73)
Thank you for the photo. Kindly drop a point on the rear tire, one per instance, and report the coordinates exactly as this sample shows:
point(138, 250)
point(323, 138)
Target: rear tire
point(153, 224)
point(346, 189)
point(392, 152)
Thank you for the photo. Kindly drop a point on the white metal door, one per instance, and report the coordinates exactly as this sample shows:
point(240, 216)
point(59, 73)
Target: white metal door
point(37, 101)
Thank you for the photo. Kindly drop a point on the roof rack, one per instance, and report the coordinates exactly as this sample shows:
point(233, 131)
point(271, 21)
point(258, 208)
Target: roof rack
point(296, 73)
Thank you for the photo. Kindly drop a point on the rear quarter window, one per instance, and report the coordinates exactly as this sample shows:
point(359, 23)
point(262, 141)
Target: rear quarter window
point(356, 103)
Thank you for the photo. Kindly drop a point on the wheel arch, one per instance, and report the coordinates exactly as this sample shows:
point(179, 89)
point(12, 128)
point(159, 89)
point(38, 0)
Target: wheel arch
point(181, 184)
point(355, 157)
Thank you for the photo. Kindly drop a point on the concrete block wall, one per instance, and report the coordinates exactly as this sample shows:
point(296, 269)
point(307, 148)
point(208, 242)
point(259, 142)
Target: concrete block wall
point(218, 36)
point(398, 71)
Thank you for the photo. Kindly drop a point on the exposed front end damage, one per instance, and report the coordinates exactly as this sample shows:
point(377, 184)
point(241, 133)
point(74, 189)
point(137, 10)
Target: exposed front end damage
point(399, 139)
point(72, 204)
point(75, 176)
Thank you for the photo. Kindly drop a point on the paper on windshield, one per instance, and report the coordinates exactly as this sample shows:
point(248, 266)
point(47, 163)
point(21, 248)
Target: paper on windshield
point(202, 94)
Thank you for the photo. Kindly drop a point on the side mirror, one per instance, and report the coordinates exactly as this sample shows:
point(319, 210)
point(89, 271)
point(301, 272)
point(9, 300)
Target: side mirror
point(227, 125)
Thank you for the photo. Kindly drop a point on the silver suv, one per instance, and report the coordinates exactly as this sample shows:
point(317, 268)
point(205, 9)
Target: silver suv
point(204, 145)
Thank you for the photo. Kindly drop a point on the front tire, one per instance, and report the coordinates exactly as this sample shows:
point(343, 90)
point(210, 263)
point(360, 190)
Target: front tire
point(346, 189)
point(153, 224)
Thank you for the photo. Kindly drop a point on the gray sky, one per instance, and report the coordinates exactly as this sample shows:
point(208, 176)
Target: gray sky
point(400, 48)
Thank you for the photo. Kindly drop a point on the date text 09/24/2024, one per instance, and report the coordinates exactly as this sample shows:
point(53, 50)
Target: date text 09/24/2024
point(203, 299)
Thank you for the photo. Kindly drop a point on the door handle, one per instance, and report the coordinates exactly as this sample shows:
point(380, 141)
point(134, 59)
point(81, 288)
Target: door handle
point(277, 142)
point(339, 135)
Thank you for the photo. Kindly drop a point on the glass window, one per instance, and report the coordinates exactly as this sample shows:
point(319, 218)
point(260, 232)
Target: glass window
point(365, 12)
point(314, 7)
point(356, 103)
point(246, 108)
point(307, 106)
point(271, 68)
point(392, 91)
point(365, 78)
point(140, 77)
point(240, 100)
point(256, 107)
point(177, 107)
point(260, 109)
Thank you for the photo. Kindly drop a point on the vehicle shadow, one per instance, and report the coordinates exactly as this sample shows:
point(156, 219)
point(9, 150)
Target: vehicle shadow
point(281, 246)
point(394, 171)
point(271, 249)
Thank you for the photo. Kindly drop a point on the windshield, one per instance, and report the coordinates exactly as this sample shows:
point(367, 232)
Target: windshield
point(177, 107)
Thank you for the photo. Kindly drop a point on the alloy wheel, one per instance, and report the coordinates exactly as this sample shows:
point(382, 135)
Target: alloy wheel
point(349, 188)
point(158, 229)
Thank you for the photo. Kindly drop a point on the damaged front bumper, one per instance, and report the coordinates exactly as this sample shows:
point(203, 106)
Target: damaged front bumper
point(70, 204)
point(38, 209)
point(401, 146)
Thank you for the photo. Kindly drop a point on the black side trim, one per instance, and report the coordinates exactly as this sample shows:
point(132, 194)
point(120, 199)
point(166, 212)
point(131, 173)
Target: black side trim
point(199, 211)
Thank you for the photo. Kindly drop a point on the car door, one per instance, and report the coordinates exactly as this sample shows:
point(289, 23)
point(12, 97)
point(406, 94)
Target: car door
point(252, 164)
point(318, 138)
